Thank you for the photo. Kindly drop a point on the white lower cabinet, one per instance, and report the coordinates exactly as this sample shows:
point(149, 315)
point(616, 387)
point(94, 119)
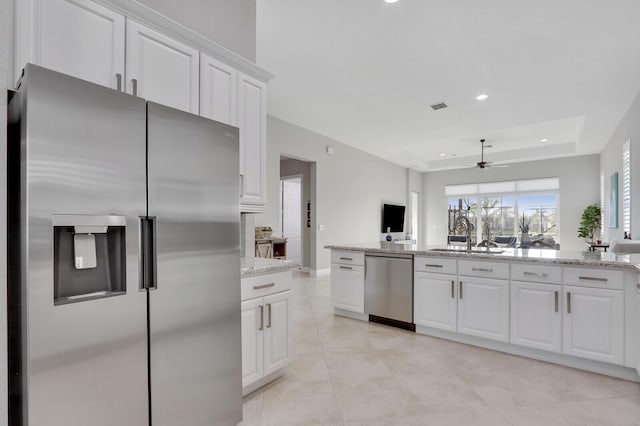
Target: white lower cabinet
point(278, 335)
point(347, 287)
point(266, 336)
point(483, 307)
point(435, 302)
point(593, 323)
point(536, 320)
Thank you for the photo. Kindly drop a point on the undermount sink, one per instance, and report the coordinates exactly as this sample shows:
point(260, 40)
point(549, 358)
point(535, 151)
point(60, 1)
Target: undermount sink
point(473, 250)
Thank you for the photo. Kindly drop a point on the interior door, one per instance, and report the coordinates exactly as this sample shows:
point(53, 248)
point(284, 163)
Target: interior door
point(194, 311)
point(291, 195)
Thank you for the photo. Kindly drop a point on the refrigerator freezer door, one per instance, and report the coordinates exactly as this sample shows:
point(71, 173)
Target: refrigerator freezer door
point(195, 341)
point(82, 153)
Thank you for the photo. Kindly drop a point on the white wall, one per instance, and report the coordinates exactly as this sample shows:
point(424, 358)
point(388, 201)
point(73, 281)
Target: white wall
point(292, 167)
point(350, 187)
point(611, 162)
point(579, 187)
point(4, 56)
point(231, 23)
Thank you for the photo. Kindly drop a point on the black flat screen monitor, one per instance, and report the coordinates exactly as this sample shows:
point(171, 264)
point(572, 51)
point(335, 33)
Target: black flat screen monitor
point(392, 217)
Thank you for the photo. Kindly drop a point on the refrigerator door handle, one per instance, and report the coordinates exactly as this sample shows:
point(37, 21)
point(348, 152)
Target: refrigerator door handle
point(148, 264)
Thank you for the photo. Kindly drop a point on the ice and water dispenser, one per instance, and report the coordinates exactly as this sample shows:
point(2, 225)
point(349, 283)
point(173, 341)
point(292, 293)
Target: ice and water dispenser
point(89, 257)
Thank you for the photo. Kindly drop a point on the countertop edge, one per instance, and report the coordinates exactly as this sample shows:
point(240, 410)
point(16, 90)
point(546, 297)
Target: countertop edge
point(462, 255)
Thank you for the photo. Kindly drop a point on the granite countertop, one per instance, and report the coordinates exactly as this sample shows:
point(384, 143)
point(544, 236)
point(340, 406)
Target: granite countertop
point(562, 257)
point(259, 265)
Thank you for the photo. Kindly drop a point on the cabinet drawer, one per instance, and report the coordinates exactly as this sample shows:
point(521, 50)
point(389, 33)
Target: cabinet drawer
point(536, 273)
point(262, 285)
point(598, 278)
point(436, 265)
point(474, 268)
point(344, 257)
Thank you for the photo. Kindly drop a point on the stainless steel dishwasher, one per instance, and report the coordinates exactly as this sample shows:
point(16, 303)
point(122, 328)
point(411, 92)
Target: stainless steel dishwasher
point(388, 289)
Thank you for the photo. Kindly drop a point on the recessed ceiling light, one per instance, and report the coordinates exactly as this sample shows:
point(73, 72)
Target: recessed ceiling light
point(443, 154)
point(390, 1)
point(481, 97)
point(544, 140)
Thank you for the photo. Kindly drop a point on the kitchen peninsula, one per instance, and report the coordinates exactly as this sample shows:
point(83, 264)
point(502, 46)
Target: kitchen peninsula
point(579, 309)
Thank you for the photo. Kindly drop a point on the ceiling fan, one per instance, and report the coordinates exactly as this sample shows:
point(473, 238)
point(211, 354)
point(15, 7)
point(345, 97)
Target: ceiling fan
point(484, 164)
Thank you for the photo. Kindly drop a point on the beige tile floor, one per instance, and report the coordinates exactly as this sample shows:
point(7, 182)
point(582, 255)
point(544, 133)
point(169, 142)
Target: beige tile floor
point(348, 372)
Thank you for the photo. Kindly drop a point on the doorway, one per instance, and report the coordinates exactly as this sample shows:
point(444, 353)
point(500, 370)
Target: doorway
point(291, 215)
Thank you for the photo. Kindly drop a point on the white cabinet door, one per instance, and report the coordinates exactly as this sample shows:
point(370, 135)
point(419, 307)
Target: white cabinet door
point(218, 86)
point(594, 323)
point(75, 37)
point(252, 341)
point(277, 331)
point(161, 69)
point(536, 320)
point(638, 331)
point(252, 121)
point(435, 302)
point(347, 287)
point(483, 308)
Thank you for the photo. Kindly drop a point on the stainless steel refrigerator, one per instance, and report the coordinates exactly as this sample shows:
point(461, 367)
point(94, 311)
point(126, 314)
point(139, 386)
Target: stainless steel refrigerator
point(124, 260)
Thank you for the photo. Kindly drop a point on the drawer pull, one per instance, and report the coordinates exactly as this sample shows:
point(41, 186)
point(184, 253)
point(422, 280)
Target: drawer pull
point(346, 258)
point(346, 267)
point(260, 287)
point(432, 265)
point(482, 269)
point(604, 280)
point(535, 274)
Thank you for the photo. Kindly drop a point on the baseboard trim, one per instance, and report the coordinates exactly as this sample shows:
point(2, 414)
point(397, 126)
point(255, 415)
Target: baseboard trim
point(305, 270)
point(260, 383)
point(349, 314)
point(320, 272)
point(555, 358)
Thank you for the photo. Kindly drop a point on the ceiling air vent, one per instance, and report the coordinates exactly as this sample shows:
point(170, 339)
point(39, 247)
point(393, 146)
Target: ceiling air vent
point(438, 106)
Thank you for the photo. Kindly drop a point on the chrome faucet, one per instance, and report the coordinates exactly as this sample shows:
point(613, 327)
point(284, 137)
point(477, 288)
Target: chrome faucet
point(468, 226)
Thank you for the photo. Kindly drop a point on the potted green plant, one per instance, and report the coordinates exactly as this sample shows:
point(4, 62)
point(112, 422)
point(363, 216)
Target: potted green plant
point(589, 223)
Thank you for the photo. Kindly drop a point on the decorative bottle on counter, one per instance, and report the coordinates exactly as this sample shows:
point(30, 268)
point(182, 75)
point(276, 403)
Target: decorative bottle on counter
point(389, 237)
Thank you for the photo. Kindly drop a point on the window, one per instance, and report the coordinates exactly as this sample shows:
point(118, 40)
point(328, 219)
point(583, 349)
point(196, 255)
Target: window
point(626, 187)
point(498, 208)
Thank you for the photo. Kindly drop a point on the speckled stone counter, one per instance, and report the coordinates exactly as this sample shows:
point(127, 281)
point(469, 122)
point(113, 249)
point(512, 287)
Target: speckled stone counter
point(578, 258)
point(257, 266)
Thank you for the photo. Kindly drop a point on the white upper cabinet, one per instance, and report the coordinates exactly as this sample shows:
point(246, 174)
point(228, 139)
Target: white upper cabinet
point(218, 88)
point(75, 37)
point(252, 121)
point(161, 69)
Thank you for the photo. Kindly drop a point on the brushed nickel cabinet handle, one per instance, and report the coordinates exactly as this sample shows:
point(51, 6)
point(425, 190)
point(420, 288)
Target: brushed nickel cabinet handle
point(261, 318)
point(119, 82)
point(482, 269)
point(535, 274)
point(432, 265)
point(460, 290)
point(134, 86)
point(346, 258)
point(242, 185)
point(593, 279)
point(268, 315)
point(260, 287)
point(346, 267)
point(568, 302)
point(453, 289)
point(556, 300)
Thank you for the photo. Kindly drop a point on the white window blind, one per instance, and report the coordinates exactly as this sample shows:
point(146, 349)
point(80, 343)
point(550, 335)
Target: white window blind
point(626, 186)
point(530, 185)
